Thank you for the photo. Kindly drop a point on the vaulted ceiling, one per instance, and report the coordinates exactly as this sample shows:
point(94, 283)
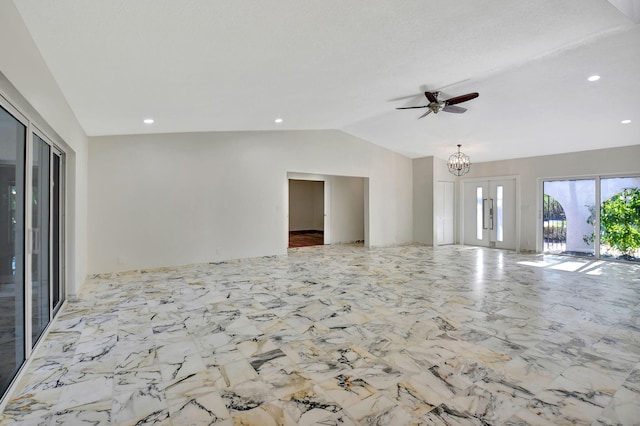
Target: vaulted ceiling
point(202, 65)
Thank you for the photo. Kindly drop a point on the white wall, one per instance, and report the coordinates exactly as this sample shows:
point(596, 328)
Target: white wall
point(306, 205)
point(27, 83)
point(423, 206)
point(427, 171)
point(173, 199)
point(532, 170)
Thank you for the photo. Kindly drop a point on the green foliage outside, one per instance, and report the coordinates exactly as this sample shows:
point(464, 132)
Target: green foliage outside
point(619, 222)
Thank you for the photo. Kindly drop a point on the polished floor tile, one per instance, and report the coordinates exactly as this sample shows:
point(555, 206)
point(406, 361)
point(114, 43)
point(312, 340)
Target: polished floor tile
point(405, 335)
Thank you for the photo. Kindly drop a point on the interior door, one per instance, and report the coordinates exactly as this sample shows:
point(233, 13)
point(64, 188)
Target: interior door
point(445, 206)
point(475, 219)
point(503, 232)
point(490, 213)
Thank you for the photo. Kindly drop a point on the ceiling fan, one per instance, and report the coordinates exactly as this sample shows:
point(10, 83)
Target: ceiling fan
point(447, 105)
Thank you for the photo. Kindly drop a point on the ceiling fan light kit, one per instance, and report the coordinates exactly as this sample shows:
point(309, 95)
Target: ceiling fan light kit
point(459, 163)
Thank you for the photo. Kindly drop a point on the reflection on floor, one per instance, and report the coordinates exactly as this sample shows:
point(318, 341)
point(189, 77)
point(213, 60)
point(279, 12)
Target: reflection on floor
point(305, 238)
point(346, 335)
point(11, 338)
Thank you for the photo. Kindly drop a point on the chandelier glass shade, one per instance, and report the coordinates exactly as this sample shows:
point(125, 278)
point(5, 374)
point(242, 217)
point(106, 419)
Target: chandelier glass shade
point(459, 163)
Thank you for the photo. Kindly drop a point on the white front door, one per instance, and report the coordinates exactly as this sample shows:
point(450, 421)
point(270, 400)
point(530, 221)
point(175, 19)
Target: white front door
point(490, 213)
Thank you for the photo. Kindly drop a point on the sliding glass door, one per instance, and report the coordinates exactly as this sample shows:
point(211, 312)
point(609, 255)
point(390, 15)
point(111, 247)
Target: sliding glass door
point(40, 209)
point(31, 229)
point(57, 289)
point(567, 207)
point(597, 217)
point(13, 137)
point(620, 218)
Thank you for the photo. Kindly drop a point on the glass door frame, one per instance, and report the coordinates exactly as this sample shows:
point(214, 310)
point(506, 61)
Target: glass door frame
point(597, 203)
point(27, 236)
point(54, 150)
point(61, 195)
point(540, 215)
point(21, 320)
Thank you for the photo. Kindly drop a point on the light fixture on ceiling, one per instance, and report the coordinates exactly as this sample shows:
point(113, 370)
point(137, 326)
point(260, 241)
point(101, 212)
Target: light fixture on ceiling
point(278, 120)
point(625, 121)
point(459, 163)
point(148, 121)
point(594, 78)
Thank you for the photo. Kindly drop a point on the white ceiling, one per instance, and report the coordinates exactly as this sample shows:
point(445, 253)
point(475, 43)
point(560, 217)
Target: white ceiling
point(202, 65)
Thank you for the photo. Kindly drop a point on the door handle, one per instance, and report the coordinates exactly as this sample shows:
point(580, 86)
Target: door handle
point(35, 241)
point(491, 214)
point(484, 209)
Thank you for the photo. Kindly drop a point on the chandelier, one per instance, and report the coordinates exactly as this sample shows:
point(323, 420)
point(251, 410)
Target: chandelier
point(459, 163)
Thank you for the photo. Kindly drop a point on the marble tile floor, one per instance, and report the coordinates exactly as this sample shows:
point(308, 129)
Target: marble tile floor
point(328, 335)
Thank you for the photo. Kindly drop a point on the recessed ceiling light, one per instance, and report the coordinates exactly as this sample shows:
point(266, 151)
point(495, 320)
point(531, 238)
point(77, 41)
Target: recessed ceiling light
point(278, 120)
point(626, 121)
point(148, 121)
point(594, 78)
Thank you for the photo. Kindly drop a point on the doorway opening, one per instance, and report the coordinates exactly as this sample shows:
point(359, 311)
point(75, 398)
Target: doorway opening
point(306, 213)
point(326, 209)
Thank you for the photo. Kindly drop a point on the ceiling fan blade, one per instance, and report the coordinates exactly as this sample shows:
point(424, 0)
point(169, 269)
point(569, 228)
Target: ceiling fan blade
point(454, 109)
point(425, 114)
point(424, 106)
point(461, 98)
point(431, 96)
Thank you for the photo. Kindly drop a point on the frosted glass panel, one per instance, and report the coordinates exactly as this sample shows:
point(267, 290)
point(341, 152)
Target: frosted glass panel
point(479, 213)
point(499, 213)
